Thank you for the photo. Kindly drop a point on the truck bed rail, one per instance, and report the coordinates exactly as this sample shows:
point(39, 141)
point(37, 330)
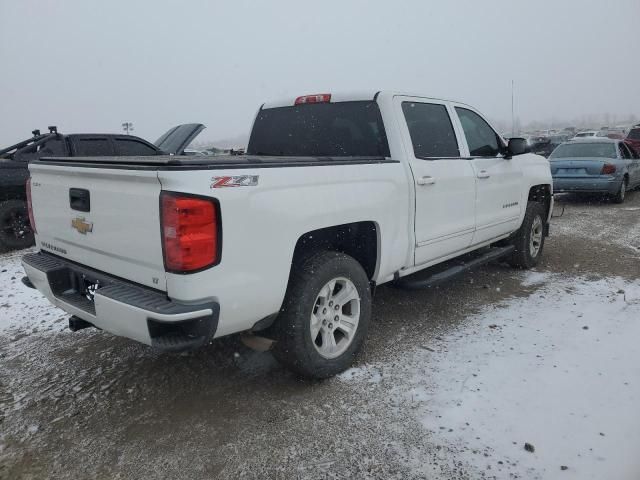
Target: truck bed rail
point(217, 162)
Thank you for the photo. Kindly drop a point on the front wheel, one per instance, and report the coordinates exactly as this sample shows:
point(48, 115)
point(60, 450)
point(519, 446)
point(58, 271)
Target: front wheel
point(325, 315)
point(529, 240)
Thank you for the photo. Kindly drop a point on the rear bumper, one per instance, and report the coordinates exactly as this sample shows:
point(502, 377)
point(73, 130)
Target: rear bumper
point(121, 307)
point(597, 184)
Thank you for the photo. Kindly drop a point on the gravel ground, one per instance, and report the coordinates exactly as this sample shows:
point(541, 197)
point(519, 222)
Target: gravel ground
point(452, 384)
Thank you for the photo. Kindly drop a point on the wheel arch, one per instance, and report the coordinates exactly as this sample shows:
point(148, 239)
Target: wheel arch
point(541, 193)
point(360, 240)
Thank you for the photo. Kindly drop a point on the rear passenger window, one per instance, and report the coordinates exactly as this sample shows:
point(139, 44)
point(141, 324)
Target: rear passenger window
point(431, 130)
point(136, 148)
point(624, 153)
point(93, 147)
point(481, 139)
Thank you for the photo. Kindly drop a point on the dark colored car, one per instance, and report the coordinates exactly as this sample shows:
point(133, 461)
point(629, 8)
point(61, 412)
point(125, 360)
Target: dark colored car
point(633, 138)
point(15, 231)
point(545, 145)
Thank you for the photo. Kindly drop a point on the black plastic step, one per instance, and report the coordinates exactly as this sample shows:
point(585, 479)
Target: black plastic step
point(177, 343)
point(446, 271)
point(76, 323)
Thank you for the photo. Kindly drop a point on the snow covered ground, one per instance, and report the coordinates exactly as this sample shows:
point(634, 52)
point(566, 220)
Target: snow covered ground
point(557, 369)
point(24, 310)
point(452, 384)
point(596, 223)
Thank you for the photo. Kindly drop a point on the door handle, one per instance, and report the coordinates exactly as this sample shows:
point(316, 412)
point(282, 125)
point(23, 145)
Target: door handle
point(426, 180)
point(80, 199)
point(483, 174)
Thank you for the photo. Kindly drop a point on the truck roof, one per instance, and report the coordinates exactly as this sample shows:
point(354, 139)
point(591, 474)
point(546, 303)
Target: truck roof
point(352, 96)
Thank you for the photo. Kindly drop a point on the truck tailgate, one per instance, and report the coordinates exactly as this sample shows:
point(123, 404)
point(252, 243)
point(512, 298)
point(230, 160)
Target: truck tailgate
point(113, 225)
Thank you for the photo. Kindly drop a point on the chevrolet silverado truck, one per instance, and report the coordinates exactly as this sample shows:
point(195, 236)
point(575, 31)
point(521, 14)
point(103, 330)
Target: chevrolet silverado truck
point(336, 195)
point(15, 230)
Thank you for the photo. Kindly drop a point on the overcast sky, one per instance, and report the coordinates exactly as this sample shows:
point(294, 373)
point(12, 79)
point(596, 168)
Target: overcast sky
point(88, 66)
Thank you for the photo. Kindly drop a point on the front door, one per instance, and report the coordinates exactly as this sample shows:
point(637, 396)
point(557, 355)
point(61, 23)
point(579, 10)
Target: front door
point(498, 179)
point(444, 182)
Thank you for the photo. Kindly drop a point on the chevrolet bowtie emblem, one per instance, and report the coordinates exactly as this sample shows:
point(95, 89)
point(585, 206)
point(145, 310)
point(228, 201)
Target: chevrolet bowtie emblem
point(81, 225)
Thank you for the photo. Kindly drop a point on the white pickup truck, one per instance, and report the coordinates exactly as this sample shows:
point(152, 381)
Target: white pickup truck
point(337, 194)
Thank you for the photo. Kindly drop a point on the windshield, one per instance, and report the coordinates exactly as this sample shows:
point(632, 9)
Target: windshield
point(343, 129)
point(586, 150)
point(634, 134)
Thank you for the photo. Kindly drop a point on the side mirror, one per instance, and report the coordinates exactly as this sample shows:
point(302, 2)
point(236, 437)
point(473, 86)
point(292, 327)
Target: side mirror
point(516, 146)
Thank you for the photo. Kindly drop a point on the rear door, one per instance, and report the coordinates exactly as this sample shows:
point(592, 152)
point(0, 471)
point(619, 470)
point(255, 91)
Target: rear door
point(104, 218)
point(498, 180)
point(444, 181)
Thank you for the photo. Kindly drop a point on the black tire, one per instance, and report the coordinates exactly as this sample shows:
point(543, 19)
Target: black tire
point(294, 346)
point(622, 193)
point(15, 230)
point(522, 256)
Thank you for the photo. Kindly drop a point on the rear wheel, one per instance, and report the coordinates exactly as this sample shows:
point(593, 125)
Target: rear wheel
point(622, 193)
point(529, 241)
point(15, 230)
point(325, 315)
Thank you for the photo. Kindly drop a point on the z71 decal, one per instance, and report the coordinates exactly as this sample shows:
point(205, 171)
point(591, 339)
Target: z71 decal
point(235, 181)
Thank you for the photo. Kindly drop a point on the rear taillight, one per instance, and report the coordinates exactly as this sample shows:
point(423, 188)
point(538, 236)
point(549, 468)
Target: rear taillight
point(608, 169)
point(316, 98)
point(30, 206)
point(190, 232)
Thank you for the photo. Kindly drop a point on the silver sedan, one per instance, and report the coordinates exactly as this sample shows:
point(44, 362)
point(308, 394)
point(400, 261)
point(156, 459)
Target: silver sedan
point(595, 165)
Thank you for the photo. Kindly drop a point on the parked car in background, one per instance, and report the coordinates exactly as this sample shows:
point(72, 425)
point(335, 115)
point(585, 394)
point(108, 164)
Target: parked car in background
point(633, 138)
point(586, 134)
point(615, 133)
point(545, 145)
point(15, 230)
point(600, 165)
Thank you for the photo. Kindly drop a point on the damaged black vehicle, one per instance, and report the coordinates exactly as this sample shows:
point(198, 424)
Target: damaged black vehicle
point(15, 228)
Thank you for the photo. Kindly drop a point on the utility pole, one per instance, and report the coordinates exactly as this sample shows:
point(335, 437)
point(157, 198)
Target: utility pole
point(127, 127)
point(513, 122)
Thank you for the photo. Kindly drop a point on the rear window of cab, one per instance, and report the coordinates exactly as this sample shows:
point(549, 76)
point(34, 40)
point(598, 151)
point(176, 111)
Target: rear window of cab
point(340, 129)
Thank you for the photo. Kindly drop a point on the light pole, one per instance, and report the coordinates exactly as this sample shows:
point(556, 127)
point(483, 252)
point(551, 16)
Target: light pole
point(513, 116)
point(127, 127)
